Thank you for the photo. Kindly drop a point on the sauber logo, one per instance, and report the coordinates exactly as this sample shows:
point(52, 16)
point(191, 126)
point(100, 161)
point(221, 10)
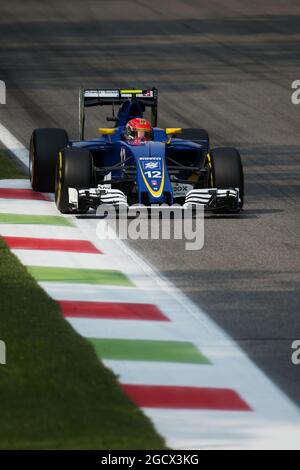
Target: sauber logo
point(151, 165)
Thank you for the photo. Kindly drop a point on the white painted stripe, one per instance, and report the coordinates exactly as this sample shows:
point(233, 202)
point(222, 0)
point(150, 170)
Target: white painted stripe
point(17, 206)
point(41, 231)
point(89, 293)
point(152, 330)
point(15, 184)
point(125, 329)
point(59, 259)
point(170, 374)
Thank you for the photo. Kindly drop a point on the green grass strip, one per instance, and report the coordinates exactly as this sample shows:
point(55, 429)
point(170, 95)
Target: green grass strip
point(80, 276)
point(9, 169)
point(35, 219)
point(145, 350)
point(55, 393)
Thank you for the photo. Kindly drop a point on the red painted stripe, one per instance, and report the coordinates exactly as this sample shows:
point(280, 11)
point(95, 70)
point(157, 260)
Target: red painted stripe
point(188, 398)
point(10, 193)
point(77, 246)
point(111, 310)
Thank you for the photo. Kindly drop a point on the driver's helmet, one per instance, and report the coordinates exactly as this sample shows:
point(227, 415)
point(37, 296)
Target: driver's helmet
point(138, 130)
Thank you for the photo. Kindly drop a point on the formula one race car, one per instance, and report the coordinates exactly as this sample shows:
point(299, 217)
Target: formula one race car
point(134, 162)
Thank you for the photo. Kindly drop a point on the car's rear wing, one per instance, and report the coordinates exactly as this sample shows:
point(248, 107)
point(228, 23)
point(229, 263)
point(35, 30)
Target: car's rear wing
point(111, 97)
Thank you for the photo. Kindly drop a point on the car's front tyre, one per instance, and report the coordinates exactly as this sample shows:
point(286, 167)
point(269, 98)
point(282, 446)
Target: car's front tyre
point(45, 145)
point(226, 170)
point(74, 169)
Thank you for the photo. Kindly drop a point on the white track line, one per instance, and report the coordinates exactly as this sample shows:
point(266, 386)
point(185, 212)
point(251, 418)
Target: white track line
point(40, 231)
point(16, 206)
point(127, 329)
point(275, 422)
point(15, 184)
point(59, 259)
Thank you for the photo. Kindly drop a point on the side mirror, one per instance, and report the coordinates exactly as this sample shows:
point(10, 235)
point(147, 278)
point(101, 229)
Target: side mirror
point(173, 131)
point(106, 130)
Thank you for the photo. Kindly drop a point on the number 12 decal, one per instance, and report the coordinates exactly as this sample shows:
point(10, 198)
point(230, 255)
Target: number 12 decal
point(153, 174)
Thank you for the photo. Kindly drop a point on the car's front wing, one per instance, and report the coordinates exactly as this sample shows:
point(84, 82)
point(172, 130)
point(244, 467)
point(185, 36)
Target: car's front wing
point(212, 199)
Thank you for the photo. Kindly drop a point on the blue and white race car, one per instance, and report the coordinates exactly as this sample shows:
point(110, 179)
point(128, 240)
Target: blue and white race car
point(170, 166)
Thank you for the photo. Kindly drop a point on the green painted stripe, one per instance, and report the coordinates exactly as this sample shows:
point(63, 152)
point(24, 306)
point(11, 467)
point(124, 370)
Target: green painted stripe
point(80, 276)
point(145, 350)
point(35, 219)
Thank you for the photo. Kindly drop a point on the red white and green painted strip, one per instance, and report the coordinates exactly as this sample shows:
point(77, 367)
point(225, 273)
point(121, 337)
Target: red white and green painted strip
point(189, 377)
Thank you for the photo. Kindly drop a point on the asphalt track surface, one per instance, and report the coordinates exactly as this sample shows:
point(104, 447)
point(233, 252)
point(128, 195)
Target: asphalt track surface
point(225, 66)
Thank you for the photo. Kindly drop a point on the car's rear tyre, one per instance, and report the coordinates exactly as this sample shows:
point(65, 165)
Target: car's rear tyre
point(44, 147)
point(227, 170)
point(200, 136)
point(74, 169)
